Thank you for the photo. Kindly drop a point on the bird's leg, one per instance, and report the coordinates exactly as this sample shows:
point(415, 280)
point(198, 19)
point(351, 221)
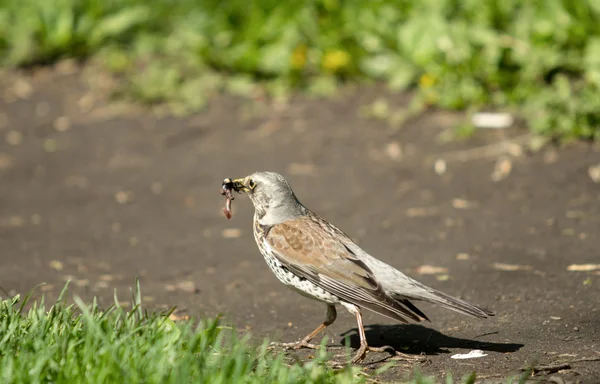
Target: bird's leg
point(364, 346)
point(330, 317)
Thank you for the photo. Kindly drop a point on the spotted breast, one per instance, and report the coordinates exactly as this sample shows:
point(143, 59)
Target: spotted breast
point(298, 284)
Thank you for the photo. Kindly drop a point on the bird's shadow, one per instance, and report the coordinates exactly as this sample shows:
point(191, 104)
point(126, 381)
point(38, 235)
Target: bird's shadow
point(417, 339)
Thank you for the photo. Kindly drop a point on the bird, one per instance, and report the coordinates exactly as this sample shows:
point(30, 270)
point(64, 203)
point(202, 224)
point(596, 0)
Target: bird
point(319, 261)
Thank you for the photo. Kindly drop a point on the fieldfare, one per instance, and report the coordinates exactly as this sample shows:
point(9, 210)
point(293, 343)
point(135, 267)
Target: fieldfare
point(316, 259)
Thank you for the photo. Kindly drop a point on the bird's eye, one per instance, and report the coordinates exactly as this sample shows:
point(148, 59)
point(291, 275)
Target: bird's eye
point(251, 184)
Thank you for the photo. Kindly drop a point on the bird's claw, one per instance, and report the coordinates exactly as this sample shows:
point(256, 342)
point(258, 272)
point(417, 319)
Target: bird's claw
point(296, 345)
point(362, 353)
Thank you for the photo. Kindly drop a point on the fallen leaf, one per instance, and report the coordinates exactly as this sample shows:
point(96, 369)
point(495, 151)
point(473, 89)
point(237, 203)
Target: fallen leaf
point(14, 137)
point(430, 270)
point(124, 197)
point(575, 215)
point(502, 169)
point(82, 283)
point(5, 162)
point(176, 317)
point(187, 286)
point(56, 265)
point(583, 267)
point(463, 204)
point(62, 124)
point(421, 212)
point(12, 221)
point(511, 267)
point(231, 233)
point(107, 277)
point(190, 201)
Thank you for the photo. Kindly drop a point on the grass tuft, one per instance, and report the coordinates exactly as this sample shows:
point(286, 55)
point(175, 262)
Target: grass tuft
point(82, 343)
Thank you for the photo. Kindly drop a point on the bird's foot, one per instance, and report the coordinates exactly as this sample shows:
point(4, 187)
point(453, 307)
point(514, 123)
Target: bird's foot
point(296, 345)
point(399, 356)
point(362, 353)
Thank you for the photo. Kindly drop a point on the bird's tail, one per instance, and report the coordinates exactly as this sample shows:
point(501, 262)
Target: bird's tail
point(446, 301)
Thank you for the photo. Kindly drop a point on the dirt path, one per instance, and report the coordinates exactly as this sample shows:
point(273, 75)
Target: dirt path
point(102, 200)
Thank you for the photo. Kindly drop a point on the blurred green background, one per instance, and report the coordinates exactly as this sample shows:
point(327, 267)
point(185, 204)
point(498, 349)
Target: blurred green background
point(537, 59)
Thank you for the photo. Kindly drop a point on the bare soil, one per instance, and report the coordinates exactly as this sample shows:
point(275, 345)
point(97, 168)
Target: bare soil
point(99, 195)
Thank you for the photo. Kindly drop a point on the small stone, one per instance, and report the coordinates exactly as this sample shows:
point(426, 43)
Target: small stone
point(394, 150)
point(439, 167)
point(463, 256)
point(124, 197)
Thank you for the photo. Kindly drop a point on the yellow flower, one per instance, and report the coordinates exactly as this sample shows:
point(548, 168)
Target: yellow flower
point(336, 60)
point(298, 58)
point(426, 80)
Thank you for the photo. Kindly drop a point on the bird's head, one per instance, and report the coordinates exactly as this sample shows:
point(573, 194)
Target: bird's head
point(273, 198)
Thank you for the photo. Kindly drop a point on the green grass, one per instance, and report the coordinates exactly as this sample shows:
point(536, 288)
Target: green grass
point(539, 59)
point(81, 343)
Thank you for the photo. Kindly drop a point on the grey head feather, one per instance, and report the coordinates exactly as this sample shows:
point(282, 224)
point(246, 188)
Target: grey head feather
point(273, 199)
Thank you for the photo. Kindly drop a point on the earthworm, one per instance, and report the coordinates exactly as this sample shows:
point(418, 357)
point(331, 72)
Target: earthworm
point(227, 191)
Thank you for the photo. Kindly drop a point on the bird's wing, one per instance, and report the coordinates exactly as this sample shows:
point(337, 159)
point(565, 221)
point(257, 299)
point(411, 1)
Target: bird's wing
point(314, 250)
